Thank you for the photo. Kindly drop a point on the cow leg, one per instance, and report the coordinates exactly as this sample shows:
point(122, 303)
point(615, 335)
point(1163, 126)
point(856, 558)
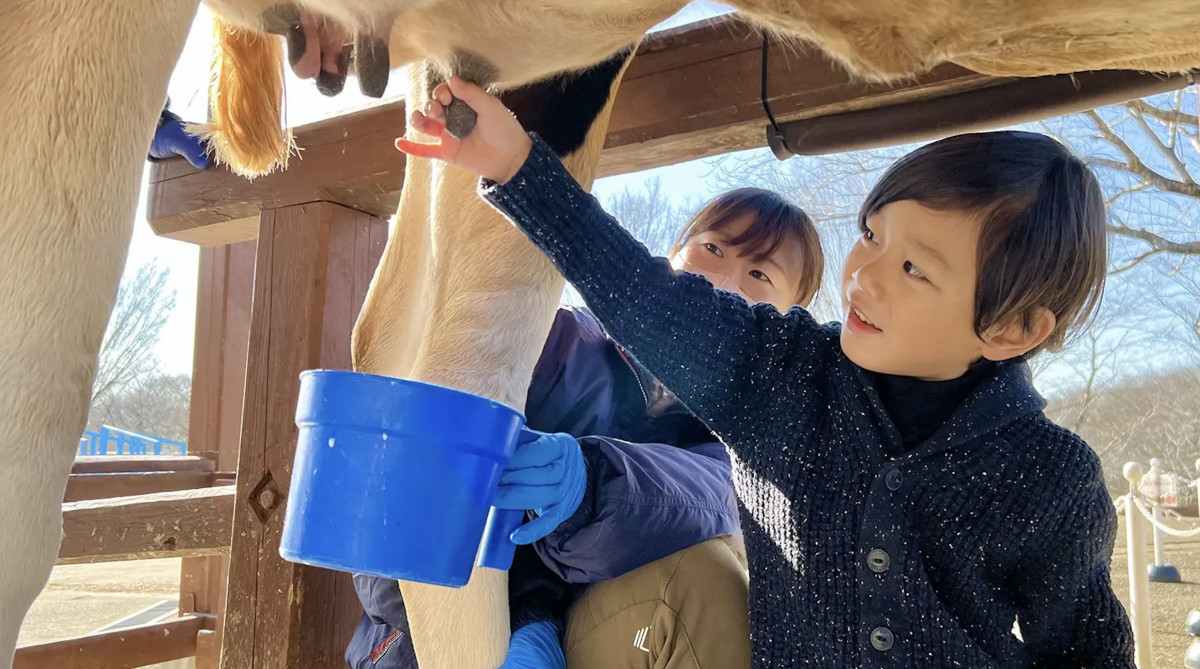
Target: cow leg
point(85, 85)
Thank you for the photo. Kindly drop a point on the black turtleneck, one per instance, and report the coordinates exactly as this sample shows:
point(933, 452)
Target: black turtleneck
point(919, 408)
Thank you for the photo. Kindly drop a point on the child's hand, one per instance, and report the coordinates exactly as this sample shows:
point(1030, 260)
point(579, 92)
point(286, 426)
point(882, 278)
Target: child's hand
point(495, 149)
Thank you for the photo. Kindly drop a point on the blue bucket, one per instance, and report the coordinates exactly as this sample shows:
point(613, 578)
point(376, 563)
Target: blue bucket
point(395, 478)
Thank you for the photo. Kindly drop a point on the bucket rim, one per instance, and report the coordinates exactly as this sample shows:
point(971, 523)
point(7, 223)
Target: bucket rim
point(395, 380)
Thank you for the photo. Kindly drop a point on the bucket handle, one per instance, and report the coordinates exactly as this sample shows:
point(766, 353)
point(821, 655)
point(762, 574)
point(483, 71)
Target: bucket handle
point(497, 548)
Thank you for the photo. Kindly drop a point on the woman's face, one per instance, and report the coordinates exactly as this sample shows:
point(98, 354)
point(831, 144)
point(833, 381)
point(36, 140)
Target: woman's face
point(775, 279)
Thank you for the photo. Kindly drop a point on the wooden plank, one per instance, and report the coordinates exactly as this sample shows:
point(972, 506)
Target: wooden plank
point(208, 649)
point(1007, 103)
point(108, 464)
point(694, 92)
point(314, 264)
point(225, 292)
point(119, 649)
point(82, 487)
point(168, 524)
point(689, 92)
point(204, 206)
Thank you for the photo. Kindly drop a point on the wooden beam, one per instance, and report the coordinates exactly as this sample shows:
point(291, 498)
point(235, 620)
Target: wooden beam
point(314, 265)
point(346, 159)
point(224, 296)
point(695, 92)
point(109, 464)
point(82, 487)
point(690, 92)
point(208, 650)
point(119, 649)
point(1007, 103)
point(168, 524)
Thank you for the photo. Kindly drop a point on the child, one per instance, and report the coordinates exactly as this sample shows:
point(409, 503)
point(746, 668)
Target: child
point(906, 500)
point(657, 488)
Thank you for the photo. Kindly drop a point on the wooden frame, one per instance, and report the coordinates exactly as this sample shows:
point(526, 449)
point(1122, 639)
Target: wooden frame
point(82, 487)
point(168, 524)
point(224, 300)
point(115, 464)
point(1003, 103)
point(314, 264)
point(118, 649)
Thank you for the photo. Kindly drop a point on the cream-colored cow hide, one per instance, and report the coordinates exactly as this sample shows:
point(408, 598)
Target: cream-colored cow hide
point(77, 109)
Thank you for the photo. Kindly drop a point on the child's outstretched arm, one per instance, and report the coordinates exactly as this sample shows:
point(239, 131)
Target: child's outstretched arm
point(718, 354)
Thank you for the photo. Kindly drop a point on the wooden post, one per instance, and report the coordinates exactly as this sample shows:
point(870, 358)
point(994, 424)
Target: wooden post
point(314, 264)
point(224, 294)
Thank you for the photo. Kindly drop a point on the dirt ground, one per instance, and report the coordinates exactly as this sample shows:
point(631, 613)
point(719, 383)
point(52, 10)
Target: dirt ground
point(84, 598)
point(81, 599)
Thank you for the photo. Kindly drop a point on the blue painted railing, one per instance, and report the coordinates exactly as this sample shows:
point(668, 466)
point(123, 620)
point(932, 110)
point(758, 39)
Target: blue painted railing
point(124, 442)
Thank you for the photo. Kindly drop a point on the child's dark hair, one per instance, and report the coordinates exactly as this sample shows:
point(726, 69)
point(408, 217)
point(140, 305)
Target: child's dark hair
point(1042, 222)
point(773, 220)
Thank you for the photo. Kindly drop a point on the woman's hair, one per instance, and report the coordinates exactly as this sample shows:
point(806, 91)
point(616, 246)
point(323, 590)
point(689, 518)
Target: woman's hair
point(1042, 222)
point(773, 220)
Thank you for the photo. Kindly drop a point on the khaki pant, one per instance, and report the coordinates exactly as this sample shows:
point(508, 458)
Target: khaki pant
point(685, 611)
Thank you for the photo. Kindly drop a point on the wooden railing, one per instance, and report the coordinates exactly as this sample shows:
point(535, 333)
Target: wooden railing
point(137, 507)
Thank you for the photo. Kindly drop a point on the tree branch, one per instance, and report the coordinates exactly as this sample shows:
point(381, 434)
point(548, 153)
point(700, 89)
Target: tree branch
point(1125, 191)
point(1135, 166)
point(1165, 115)
point(1157, 242)
point(1166, 152)
point(1134, 263)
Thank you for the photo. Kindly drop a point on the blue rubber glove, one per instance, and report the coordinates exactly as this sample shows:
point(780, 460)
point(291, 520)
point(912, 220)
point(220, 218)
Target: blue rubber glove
point(546, 475)
point(171, 140)
point(535, 646)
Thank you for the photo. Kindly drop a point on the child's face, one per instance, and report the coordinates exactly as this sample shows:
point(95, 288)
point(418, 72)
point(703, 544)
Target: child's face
point(908, 293)
point(774, 279)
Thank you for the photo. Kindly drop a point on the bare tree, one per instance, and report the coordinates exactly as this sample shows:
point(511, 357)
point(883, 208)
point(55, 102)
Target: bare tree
point(1157, 148)
point(1145, 417)
point(1092, 363)
point(155, 404)
point(143, 305)
point(650, 215)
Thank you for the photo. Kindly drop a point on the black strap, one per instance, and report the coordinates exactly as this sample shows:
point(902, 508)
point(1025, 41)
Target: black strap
point(775, 129)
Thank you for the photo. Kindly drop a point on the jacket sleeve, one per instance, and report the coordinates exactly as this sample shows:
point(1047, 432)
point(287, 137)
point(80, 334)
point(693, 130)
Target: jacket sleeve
point(643, 502)
point(574, 388)
point(535, 592)
point(719, 355)
point(1068, 614)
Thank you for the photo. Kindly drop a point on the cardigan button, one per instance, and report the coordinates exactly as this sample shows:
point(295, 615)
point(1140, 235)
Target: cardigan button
point(878, 560)
point(882, 639)
point(894, 479)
